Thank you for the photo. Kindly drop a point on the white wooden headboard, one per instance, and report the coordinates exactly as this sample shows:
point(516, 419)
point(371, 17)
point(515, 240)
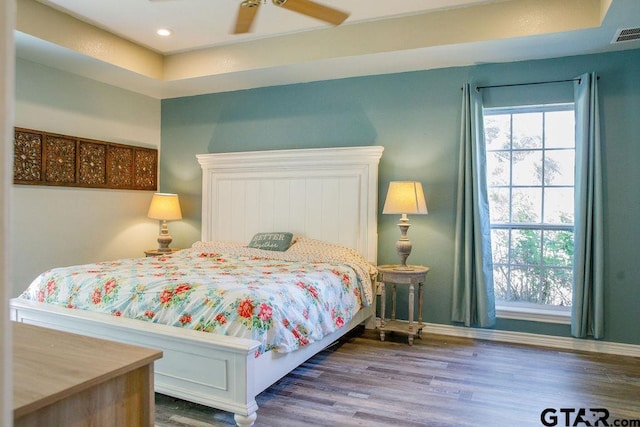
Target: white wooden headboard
point(329, 194)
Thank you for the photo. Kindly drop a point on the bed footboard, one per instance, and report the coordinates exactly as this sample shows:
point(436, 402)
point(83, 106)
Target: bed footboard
point(218, 371)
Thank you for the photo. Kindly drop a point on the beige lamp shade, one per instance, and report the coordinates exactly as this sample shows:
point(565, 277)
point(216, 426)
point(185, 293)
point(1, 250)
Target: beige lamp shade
point(165, 206)
point(405, 197)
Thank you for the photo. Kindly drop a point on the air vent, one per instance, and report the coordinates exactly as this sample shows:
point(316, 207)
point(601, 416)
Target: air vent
point(626, 35)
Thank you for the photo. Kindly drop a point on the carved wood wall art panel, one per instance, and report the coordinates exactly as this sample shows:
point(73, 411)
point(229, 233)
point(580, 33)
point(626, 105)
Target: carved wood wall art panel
point(43, 158)
point(145, 168)
point(93, 163)
point(120, 166)
point(59, 160)
point(27, 157)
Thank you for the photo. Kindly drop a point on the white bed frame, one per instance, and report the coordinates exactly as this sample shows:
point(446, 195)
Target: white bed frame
point(328, 194)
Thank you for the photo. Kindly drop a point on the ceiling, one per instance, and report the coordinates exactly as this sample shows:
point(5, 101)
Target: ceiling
point(115, 41)
point(203, 23)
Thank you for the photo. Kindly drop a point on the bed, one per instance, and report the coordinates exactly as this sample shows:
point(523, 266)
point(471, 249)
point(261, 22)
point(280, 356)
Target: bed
point(328, 195)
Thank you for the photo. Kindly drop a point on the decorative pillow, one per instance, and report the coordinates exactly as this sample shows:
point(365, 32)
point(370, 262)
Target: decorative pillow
point(271, 241)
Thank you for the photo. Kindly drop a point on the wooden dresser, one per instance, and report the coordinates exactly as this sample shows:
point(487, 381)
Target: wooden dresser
point(63, 379)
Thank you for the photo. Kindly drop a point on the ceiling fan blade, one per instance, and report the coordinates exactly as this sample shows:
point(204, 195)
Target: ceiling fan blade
point(246, 15)
point(314, 10)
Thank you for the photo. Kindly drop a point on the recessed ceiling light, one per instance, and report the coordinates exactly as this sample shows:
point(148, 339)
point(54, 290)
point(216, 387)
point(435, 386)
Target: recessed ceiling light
point(164, 32)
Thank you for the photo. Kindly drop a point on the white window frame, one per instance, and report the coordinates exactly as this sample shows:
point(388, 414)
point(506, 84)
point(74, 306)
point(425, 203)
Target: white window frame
point(523, 310)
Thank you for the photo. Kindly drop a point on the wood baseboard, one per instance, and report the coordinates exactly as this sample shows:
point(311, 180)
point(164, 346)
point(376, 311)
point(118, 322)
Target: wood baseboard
point(567, 343)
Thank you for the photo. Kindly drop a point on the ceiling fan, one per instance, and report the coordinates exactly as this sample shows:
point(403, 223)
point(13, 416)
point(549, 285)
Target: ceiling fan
point(249, 8)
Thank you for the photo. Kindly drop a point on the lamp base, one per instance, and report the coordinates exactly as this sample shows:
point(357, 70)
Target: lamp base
point(403, 245)
point(164, 239)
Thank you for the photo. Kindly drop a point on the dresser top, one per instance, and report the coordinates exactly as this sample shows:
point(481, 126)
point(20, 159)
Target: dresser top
point(50, 365)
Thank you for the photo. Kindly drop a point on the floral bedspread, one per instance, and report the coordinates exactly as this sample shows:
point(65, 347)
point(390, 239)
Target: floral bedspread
point(282, 300)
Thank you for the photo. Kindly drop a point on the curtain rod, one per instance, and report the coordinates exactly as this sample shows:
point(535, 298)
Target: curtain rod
point(529, 84)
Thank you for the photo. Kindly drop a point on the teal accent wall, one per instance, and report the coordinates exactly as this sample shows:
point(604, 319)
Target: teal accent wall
point(416, 117)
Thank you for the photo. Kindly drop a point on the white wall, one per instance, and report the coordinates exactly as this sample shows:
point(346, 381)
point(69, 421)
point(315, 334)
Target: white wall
point(7, 24)
point(56, 226)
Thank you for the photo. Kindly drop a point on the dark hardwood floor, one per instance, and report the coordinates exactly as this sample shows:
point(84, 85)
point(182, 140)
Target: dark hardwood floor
point(439, 381)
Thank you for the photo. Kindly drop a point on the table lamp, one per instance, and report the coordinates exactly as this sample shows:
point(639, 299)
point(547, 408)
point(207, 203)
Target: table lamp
point(164, 207)
point(404, 197)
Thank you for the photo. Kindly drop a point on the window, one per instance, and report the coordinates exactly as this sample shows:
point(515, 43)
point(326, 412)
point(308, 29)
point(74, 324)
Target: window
point(530, 178)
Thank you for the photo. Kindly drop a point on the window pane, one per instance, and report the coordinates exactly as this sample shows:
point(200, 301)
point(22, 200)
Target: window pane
point(559, 129)
point(498, 167)
point(500, 246)
point(526, 205)
point(559, 166)
point(499, 205)
point(557, 286)
point(558, 205)
point(527, 130)
point(526, 247)
point(527, 167)
point(501, 282)
point(558, 248)
point(497, 131)
point(525, 284)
